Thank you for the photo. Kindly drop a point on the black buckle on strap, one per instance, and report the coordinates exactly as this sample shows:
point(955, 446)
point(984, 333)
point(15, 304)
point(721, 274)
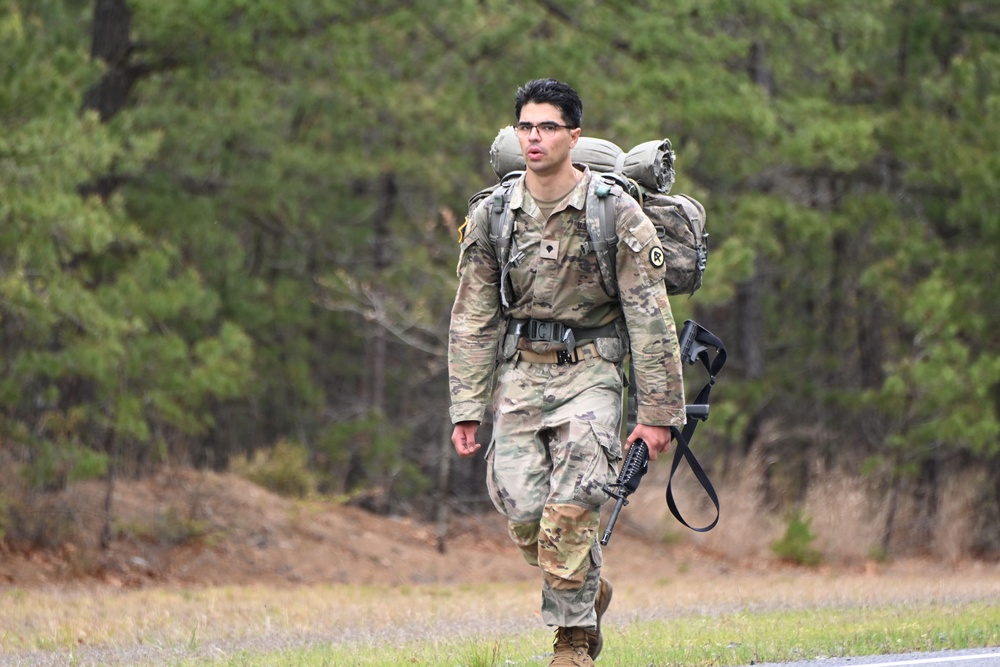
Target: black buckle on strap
point(550, 332)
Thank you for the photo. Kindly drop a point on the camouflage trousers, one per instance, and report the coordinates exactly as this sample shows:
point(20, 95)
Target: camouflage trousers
point(556, 442)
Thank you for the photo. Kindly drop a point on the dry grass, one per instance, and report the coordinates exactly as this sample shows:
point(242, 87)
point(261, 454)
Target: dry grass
point(847, 513)
point(63, 619)
point(269, 582)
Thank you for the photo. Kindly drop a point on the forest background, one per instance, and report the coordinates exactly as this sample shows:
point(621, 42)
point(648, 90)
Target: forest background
point(228, 237)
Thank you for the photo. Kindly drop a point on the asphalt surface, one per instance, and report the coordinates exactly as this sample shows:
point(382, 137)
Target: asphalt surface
point(970, 658)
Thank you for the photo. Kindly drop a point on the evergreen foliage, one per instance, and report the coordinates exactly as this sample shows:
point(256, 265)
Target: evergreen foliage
point(256, 242)
point(795, 545)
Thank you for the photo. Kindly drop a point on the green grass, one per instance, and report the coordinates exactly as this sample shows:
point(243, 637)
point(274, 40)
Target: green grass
point(739, 638)
point(734, 618)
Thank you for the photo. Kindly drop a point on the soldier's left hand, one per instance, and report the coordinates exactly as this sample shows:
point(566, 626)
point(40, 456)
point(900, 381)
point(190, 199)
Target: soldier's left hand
point(657, 438)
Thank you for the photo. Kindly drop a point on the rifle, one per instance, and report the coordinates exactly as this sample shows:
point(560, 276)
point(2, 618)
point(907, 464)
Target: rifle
point(695, 341)
point(635, 466)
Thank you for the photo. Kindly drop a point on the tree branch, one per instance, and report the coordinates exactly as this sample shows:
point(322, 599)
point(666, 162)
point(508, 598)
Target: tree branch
point(352, 296)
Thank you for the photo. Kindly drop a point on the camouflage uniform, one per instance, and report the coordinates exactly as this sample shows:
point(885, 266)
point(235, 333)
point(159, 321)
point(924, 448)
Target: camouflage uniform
point(556, 435)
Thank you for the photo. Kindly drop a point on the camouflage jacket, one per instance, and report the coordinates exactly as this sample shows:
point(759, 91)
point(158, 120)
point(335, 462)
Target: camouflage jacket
point(557, 282)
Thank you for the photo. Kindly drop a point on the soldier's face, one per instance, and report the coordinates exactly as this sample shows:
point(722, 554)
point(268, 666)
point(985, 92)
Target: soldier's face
point(546, 153)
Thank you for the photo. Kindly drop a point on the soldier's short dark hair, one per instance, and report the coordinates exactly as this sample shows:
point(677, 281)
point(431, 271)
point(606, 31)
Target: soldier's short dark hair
point(556, 93)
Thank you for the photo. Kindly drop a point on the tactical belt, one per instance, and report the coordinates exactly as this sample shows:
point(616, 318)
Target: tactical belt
point(560, 357)
point(557, 332)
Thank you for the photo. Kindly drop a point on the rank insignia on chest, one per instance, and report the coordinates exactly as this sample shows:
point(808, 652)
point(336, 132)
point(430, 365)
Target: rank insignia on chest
point(549, 249)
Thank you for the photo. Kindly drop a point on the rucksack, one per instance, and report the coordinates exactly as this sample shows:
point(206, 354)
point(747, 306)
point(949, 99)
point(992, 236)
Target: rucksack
point(644, 173)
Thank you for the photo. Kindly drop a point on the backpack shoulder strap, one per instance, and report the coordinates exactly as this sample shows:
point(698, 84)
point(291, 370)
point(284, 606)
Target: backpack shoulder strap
point(602, 203)
point(501, 227)
point(502, 232)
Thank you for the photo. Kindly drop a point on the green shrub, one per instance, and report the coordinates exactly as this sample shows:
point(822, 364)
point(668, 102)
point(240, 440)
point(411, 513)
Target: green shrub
point(879, 554)
point(55, 465)
point(795, 545)
point(168, 527)
point(284, 469)
point(38, 520)
point(373, 450)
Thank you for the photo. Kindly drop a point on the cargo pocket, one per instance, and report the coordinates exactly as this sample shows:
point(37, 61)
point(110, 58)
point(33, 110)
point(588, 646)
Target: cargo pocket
point(602, 467)
point(596, 555)
point(491, 484)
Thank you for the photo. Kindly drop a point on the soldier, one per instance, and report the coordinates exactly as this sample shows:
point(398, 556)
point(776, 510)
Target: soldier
point(562, 346)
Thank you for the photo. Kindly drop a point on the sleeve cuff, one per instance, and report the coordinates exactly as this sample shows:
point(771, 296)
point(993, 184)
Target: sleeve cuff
point(661, 416)
point(467, 411)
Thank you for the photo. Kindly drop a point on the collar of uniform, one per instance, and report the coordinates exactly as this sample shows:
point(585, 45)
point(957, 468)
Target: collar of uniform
point(577, 198)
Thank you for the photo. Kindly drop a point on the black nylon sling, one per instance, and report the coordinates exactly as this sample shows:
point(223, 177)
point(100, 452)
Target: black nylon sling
point(695, 343)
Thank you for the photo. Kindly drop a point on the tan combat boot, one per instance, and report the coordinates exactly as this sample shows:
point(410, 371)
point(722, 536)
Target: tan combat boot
point(594, 638)
point(570, 648)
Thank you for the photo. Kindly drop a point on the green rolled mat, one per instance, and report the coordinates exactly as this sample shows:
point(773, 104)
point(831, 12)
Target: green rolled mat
point(650, 164)
point(505, 153)
point(598, 154)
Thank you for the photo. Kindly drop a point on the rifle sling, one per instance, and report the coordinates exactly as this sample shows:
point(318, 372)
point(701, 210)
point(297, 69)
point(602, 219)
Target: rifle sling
point(683, 451)
point(705, 339)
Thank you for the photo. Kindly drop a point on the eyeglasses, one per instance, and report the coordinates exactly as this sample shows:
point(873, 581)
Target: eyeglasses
point(546, 129)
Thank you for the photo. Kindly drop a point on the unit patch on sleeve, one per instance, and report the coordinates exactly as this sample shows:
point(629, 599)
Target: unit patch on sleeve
point(656, 256)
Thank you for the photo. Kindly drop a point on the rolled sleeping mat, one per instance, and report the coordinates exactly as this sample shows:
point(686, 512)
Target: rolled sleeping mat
point(598, 154)
point(650, 164)
point(505, 153)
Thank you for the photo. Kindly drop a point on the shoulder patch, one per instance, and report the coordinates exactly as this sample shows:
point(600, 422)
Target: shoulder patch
point(656, 256)
point(461, 230)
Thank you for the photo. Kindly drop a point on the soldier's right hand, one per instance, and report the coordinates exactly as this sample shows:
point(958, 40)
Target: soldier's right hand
point(464, 438)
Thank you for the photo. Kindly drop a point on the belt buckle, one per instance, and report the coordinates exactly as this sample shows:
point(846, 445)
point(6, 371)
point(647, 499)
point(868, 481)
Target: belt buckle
point(544, 331)
point(566, 357)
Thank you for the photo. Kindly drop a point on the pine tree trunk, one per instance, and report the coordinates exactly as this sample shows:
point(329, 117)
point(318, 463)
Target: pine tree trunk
point(748, 320)
point(387, 196)
point(748, 295)
point(444, 477)
point(110, 42)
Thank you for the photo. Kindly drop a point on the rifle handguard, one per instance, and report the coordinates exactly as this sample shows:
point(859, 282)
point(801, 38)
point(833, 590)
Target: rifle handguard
point(635, 466)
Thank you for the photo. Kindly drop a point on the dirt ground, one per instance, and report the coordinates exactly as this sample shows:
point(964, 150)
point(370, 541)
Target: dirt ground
point(185, 527)
point(183, 539)
point(189, 528)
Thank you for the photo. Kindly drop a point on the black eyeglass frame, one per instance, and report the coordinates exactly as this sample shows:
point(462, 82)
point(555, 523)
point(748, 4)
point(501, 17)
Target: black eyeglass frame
point(545, 129)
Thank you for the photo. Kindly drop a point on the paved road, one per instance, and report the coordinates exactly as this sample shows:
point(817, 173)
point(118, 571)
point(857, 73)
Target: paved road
point(971, 658)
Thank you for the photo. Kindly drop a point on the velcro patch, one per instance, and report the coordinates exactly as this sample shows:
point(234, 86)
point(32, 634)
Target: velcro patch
point(639, 237)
